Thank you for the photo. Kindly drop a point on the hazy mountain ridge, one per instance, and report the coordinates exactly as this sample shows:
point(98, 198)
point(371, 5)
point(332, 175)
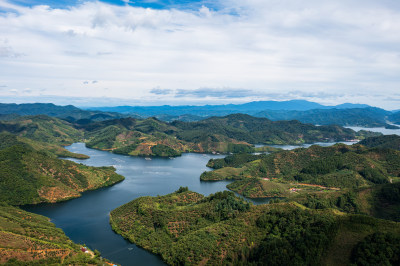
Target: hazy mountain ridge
point(68, 112)
point(307, 112)
point(221, 110)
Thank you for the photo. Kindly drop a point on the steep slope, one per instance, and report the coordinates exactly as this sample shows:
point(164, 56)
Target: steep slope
point(43, 128)
point(30, 176)
point(31, 239)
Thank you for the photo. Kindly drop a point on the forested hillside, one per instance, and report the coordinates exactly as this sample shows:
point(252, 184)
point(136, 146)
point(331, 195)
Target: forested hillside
point(187, 228)
point(30, 176)
point(30, 239)
point(386, 141)
point(231, 134)
point(282, 173)
point(43, 128)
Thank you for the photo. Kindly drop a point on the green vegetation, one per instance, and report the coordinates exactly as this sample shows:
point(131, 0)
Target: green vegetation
point(69, 112)
point(30, 239)
point(330, 168)
point(187, 228)
point(230, 134)
point(386, 141)
point(31, 176)
point(378, 249)
point(363, 117)
point(43, 129)
point(236, 160)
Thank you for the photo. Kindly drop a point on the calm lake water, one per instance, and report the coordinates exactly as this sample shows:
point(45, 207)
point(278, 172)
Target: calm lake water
point(382, 130)
point(86, 219)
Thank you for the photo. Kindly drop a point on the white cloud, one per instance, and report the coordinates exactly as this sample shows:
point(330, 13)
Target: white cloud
point(345, 47)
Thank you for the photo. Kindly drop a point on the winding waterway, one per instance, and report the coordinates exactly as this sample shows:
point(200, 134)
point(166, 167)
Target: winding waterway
point(86, 219)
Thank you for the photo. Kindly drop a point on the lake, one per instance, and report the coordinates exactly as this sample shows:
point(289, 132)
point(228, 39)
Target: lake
point(86, 219)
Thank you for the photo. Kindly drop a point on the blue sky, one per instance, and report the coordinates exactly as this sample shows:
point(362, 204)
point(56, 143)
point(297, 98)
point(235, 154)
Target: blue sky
point(154, 52)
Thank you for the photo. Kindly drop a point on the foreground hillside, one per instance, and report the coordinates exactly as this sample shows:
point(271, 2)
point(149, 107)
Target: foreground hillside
point(30, 176)
point(30, 239)
point(187, 228)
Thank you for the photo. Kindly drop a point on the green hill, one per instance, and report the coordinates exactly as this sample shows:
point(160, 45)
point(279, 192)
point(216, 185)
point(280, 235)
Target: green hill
point(43, 128)
point(316, 168)
point(385, 141)
point(187, 228)
point(231, 134)
point(364, 117)
point(31, 239)
point(31, 176)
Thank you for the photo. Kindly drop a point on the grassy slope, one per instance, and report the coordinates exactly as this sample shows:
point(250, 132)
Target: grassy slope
point(27, 238)
point(183, 228)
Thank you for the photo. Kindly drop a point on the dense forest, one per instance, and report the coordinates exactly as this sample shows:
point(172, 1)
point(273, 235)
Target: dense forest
point(187, 228)
point(385, 141)
point(31, 176)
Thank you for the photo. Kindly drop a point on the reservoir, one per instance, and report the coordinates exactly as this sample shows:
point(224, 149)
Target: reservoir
point(86, 219)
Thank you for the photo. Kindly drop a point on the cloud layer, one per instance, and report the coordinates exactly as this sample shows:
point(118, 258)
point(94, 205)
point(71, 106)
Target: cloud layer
point(331, 52)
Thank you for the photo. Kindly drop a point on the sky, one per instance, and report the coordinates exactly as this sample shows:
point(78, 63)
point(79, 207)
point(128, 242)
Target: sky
point(155, 52)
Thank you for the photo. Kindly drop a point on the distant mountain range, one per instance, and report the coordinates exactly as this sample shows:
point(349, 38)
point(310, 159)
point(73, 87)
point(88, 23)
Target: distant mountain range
point(68, 112)
point(250, 108)
point(346, 114)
